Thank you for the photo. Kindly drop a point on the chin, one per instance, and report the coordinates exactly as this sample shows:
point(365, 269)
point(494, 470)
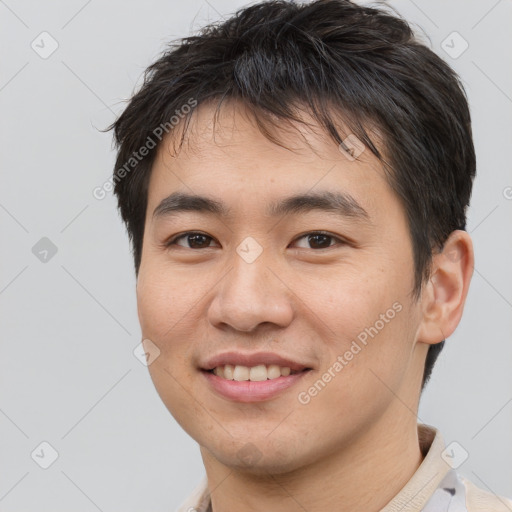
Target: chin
point(264, 467)
point(252, 458)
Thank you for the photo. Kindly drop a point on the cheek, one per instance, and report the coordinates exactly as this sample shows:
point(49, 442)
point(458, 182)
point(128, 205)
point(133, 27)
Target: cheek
point(362, 318)
point(164, 297)
point(345, 299)
point(162, 308)
point(152, 304)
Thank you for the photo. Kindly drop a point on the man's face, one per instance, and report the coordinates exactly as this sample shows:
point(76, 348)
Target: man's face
point(337, 303)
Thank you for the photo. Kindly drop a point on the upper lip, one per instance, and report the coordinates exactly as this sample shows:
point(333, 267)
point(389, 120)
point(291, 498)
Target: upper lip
point(250, 360)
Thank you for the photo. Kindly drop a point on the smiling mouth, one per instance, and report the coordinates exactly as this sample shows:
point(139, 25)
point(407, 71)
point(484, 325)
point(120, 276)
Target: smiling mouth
point(256, 373)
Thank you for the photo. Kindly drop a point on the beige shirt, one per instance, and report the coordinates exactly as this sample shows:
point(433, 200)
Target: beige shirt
point(435, 487)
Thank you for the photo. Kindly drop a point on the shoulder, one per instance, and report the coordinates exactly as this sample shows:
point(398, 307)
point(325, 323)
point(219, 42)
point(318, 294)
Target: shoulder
point(479, 500)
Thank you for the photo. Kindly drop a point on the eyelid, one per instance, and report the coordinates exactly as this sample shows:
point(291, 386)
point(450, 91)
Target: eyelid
point(170, 241)
point(341, 241)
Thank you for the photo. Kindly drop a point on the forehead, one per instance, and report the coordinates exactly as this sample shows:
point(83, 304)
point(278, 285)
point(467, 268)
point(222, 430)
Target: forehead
point(225, 155)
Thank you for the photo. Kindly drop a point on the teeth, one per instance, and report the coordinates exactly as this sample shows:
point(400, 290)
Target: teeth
point(273, 371)
point(254, 373)
point(228, 371)
point(258, 373)
point(241, 373)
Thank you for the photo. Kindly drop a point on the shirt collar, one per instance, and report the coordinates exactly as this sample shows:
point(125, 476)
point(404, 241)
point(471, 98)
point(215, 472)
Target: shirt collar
point(417, 491)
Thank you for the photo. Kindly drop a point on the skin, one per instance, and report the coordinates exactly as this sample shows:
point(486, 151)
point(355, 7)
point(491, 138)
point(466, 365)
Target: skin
point(355, 444)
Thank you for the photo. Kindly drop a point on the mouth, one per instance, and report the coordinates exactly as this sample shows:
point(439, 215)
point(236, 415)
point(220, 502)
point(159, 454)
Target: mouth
point(257, 373)
point(263, 377)
point(255, 377)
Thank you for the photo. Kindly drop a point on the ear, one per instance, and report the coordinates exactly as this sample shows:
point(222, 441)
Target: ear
point(443, 297)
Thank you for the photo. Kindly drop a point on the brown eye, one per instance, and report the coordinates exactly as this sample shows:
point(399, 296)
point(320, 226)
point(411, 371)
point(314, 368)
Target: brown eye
point(195, 240)
point(319, 240)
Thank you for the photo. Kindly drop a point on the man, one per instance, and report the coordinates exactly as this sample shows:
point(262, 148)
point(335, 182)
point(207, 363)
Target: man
point(295, 182)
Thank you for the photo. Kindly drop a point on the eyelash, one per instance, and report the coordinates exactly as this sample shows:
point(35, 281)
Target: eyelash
point(174, 239)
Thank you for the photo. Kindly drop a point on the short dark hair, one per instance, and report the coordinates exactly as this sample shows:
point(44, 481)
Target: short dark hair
point(338, 60)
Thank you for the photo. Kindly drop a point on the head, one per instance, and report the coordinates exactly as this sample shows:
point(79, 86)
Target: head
point(327, 99)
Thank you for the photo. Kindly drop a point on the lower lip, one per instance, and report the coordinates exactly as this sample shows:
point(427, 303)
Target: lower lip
point(249, 391)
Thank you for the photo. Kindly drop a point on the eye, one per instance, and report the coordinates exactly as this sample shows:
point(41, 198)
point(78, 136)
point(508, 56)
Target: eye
point(319, 239)
point(195, 239)
point(198, 240)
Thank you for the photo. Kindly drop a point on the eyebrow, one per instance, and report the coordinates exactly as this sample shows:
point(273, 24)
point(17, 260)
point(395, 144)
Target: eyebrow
point(340, 203)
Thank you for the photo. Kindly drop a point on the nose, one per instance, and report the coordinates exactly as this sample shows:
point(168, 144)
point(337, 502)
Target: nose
point(251, 294)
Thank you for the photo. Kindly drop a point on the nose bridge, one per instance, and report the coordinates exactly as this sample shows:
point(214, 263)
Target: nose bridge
point(250, 293)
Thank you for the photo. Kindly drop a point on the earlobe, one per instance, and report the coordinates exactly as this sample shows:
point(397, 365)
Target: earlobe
point(444, 295)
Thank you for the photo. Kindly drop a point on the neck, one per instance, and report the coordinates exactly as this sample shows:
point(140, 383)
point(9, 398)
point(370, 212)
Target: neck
point(364, 474)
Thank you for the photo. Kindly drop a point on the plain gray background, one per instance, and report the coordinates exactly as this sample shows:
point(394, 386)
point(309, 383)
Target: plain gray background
point(69, 324)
